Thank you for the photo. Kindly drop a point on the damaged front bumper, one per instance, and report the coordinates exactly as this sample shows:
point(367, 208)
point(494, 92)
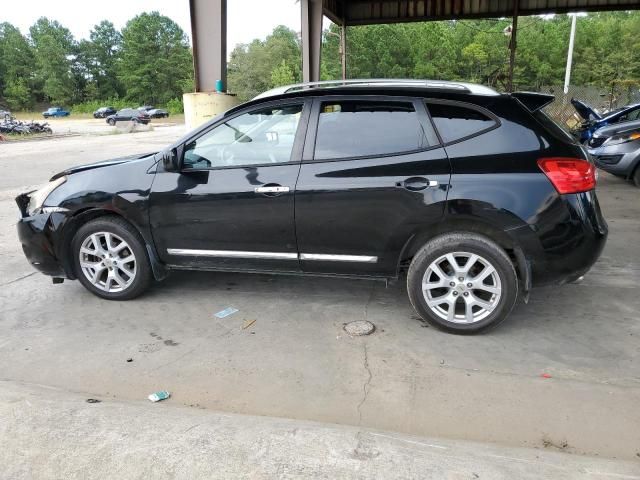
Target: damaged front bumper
point(37, 234)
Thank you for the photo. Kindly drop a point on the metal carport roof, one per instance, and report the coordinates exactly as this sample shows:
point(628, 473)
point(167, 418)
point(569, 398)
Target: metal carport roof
point(365, 12)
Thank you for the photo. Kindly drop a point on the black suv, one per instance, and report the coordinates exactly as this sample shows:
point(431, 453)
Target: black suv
point(129, 115)
point(475, 195)
point(104, 112)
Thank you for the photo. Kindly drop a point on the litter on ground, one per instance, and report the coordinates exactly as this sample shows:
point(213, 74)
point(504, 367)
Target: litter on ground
point(248, 323)
point(226, 312)
point(157, 396)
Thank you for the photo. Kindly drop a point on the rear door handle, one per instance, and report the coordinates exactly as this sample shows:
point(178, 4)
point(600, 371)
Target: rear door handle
point(272, 190)
point(415, 184)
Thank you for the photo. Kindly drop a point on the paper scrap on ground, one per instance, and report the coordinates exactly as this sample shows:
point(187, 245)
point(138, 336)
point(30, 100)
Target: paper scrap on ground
point(161, 395)
point(226, 312)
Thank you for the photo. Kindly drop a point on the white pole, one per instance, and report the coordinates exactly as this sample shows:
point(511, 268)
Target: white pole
point(567, 75)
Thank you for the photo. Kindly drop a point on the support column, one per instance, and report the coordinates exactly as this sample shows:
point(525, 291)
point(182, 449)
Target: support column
point(209, 35)
point(513, 45)
point(311, 39)
point(343, 50)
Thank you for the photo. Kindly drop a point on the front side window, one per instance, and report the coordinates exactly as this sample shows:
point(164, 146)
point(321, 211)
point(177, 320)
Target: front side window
point(354, 128)
point(262, 136)
point(454, 122)
point(633, 115)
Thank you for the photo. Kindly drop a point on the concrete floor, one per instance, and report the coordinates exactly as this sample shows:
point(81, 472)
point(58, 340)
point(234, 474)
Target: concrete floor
point(295, 361)
point(131, 440)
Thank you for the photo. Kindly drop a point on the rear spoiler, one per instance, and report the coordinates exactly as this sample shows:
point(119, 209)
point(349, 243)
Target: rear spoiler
point(532, 100)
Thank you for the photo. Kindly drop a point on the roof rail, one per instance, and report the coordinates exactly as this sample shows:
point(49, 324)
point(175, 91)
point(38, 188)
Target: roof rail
point(383, 82)
point(377, 81)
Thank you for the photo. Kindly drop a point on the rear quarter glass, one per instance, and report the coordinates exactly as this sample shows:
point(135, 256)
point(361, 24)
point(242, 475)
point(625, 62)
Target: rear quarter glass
point(456, 121)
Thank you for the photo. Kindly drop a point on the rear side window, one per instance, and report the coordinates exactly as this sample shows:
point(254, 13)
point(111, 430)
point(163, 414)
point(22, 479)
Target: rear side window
point(455, 122)
point(369, 128)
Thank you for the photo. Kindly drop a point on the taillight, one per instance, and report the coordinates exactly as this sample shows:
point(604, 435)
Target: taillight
point(569, 175)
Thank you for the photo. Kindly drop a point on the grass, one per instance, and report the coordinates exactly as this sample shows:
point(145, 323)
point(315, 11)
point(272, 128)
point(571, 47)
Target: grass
point(37, 116)
point(12, 137)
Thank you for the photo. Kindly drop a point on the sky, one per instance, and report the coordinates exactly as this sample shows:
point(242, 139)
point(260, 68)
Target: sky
point(246, 19)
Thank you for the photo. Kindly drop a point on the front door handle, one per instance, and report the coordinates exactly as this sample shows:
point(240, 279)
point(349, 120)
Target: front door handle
point(272, 190)
point(415, 184)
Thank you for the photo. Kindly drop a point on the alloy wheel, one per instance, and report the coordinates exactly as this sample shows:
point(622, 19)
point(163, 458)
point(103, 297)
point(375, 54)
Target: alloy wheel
point(108, 261)
point(461, 287)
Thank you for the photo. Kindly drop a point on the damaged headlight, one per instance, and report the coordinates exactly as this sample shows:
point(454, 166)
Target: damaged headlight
point(622, 138)
point(38, 197)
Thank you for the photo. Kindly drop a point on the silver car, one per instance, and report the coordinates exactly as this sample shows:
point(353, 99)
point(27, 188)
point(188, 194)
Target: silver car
point(616, 149)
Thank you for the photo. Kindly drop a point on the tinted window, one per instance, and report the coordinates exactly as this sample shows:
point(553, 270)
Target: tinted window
point(260, 137)
point(632, 115)
point(454, 122)
point(356, 128)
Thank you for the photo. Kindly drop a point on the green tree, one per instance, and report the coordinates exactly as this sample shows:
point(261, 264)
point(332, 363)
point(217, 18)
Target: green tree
point(98, 59)
point(477, 57)
point(17, 65)
point(282, 75)
point(155, 60)
point(251, 66)
point(53, 47)
point(18, 94)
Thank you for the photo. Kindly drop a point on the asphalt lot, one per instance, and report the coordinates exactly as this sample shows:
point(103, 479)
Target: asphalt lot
point(295, 361)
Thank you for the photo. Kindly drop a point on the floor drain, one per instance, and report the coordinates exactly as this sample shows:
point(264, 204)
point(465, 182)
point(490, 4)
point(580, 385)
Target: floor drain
point(359, 328)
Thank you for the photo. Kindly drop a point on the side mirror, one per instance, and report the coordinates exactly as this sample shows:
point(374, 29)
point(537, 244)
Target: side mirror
point(171, 160)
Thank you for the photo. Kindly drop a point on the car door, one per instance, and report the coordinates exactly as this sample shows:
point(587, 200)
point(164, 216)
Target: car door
point(126, 114)
point(231, 205)
point(373, 175)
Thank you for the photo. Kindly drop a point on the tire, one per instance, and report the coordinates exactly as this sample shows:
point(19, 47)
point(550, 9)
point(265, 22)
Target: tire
point(488, 258)
point(113, 279)
point(635, 178)
point(111, 122)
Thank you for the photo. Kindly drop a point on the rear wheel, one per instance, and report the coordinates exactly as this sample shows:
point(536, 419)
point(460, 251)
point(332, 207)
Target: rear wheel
point(462, 283)
point(110, 259)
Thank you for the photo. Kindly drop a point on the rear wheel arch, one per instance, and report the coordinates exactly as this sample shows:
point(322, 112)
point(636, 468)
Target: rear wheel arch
point(476, 226)
point(478, 293)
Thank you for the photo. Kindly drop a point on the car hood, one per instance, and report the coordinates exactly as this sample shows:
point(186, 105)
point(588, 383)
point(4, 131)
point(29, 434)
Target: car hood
point(106, 163)
point(611, 130)
point(584, 110)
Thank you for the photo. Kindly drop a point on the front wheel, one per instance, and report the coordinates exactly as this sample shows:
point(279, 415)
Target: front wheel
point(110, 259)
point(462, 283)
point(636, 177)
point(111, 122)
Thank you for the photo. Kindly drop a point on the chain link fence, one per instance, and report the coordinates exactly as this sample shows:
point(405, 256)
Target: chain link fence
point(602, 100)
